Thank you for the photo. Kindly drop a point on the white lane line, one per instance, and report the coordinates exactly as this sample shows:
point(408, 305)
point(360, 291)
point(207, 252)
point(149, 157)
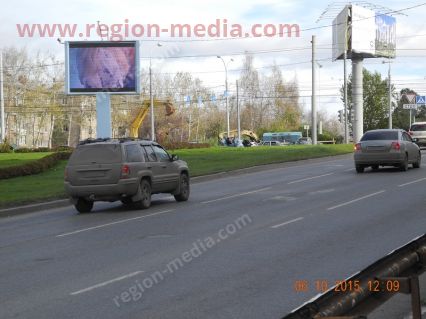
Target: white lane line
point(356, 200)
point(113, 223)
point(236, 195)
point(309, 178)
point(102, 284)
point(288, 222)
point(348, 170)
point(412, 182)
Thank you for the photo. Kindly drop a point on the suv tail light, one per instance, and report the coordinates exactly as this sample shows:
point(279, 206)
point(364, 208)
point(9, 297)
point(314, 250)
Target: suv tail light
point(396, 146)
point(125, 171)
point(357, 147)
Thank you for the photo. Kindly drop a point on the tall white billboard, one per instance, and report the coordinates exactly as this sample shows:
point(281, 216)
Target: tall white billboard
point(369, 34)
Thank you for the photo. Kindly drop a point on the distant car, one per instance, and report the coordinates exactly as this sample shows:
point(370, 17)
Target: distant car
point(272, 143)
point(304, 141)
point(418, 133)
point(126, 170)
point(386, 148)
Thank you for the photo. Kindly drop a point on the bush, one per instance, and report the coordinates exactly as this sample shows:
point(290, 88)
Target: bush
point(5, 147)
point(184, 145)
point(34, 167)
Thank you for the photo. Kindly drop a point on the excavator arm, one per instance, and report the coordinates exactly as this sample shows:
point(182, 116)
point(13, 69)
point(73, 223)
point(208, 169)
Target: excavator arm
point(143, 112)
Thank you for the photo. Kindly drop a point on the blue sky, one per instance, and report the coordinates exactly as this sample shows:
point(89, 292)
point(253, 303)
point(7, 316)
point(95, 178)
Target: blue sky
point(408, 69)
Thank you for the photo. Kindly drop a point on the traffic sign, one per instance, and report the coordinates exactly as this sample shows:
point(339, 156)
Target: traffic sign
point(410, 97)
point(306, 127)
point(409, 106)
point(420, 99)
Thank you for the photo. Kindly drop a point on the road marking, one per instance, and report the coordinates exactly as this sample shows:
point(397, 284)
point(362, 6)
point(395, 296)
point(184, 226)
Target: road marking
point(236, 195)
point(348, 170)
point(113, 223)
point(102, 284)
point(309, 178)
point(412, 182)
point(356, 200)
point(288, 222)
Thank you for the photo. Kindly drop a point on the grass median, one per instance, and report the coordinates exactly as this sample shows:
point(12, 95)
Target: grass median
point(16, 159)
point(215, 160)
point(49, 185)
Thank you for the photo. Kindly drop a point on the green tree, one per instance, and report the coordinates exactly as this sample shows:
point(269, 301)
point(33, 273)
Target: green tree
point(375, 98)
point(401, 117)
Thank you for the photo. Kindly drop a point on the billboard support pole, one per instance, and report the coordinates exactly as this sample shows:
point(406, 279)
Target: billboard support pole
point(357, 98)
point(103, 115)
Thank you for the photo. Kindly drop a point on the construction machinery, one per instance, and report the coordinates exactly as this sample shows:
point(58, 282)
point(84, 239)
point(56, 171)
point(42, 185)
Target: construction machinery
point(244, 133)
point(143, 112)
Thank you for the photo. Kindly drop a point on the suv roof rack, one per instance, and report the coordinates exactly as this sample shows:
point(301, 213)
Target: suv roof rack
point(108, 139)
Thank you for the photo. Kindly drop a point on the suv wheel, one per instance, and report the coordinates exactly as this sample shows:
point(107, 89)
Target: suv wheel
point(359, 168)
point(127, 200)
point(145, 191)
point(83, 206)
point(417, 163)
point(184, 188)
point(404, 165)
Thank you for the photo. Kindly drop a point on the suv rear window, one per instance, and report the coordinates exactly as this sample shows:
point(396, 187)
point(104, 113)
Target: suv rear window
point(97, 153)
point(418, 127)
point(134, 153)
point(384, 135)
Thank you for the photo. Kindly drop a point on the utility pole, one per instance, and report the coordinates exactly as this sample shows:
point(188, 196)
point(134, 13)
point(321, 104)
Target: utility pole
point(151, 103)
point(314, 97)
point(238, 116)
point(151, 96)
point(226, 92)
point(3, 127)
point(390, 96)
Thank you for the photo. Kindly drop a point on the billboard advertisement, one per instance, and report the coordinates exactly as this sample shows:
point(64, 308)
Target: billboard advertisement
point(369, 34)
point(102, 66)
point(339, 26)
point(385, 36)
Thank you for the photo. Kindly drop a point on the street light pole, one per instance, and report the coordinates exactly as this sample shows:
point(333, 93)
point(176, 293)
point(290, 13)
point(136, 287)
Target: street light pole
point(390, 96)
point(226, 97)
point(389, 92)
point(151, 96)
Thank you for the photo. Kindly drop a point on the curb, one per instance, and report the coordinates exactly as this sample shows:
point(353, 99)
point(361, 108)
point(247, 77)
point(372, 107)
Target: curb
point(32, 208)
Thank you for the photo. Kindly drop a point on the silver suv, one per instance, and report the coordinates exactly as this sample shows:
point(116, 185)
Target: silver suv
point(126, 170)
point(418, 133)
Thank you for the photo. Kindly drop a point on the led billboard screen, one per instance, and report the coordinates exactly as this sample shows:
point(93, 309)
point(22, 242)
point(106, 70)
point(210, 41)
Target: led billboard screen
point(93, 67)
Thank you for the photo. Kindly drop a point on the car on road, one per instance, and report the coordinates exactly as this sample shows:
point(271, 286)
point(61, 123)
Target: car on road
point(127, 170)
point(273, 143)
point(304, 141)
point(386, 147)
point(418, 133)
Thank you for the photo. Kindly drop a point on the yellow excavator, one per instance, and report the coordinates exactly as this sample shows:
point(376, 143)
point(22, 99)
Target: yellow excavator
point(244, 133)
point(143, 112)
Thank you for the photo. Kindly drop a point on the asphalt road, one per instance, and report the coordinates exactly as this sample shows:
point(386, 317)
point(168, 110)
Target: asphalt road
point(235, 250)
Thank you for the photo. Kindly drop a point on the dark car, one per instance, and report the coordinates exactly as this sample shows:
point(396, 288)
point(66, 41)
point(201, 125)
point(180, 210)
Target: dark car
point(386, 148)
point(126, 170)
